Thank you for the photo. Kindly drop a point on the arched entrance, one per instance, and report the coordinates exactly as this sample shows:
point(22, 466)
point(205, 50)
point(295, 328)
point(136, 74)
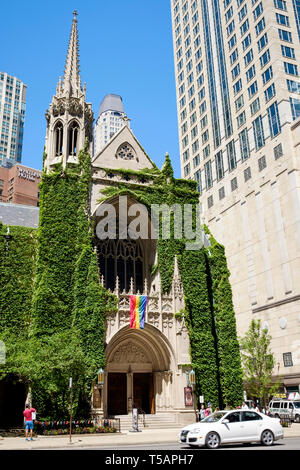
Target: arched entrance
point(138, 362)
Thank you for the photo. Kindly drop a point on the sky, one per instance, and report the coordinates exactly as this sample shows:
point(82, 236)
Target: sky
point(125, 47)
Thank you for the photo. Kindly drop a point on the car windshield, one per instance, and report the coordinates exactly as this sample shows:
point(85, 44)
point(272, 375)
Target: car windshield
point(296, 404)
point(214, 417)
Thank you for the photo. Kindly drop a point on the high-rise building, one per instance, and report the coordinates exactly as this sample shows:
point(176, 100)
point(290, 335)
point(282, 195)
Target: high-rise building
point(237, 65)
point(110, 120)
point(12, 116)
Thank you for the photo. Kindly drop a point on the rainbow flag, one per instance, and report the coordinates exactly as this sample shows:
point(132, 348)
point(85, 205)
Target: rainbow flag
point(137, 311)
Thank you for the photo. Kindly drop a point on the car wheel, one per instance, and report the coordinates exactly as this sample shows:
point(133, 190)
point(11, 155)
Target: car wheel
point(267, 438)
point(297, 419)
point(212, 440)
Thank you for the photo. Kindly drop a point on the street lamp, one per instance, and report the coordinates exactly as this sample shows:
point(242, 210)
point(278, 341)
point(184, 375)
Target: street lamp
point(8, 238)
point(192, 377)
point(100, 376)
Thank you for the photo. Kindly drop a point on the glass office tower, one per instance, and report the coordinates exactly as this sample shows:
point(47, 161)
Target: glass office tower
point(12, 117)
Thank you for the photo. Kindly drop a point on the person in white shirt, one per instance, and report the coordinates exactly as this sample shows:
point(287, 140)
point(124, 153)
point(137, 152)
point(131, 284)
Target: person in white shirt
point(244, 406)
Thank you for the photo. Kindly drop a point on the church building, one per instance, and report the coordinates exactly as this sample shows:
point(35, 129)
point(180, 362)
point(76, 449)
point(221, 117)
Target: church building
point(189, 328)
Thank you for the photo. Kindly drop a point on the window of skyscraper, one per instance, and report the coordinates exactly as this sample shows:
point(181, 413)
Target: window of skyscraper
point(219, 165)
point(243, 12)
point(258, 133)
point(246, 42)
point(221, 193)
point(288, 52)
point(295, 107)
point(274, 121)
point(285, 35)
point(263, 41)
point(270, 92)
point(239, 103)
point(210, 202)
point(234, 184)
point(293, 87)
point(264, 59)
point(280, 4)
point(267, 75)
point(262, 163)
point(255, 106)
point(290, 69)
point(231, 155)
point(252, 89)
point(241, 119)
point(258, 11)
point(208, 175)
point(260, 26)
point(282, 20)
point(250, 73)
point(244, 144)
point(247, 174)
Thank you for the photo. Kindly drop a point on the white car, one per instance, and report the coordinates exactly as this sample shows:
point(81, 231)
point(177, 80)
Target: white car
point(235, 426)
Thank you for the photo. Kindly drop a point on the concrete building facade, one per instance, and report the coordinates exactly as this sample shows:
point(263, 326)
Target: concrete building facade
point(237, 66)
point(12, 118)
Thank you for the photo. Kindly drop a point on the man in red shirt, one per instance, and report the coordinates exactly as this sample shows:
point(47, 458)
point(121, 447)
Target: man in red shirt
point(28, 421)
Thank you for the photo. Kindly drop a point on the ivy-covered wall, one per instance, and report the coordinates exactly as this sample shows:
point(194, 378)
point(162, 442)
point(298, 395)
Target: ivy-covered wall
point(209, 312)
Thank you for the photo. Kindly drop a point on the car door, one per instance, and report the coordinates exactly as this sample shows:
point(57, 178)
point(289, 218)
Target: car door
point(252, 424)
point(231, 431)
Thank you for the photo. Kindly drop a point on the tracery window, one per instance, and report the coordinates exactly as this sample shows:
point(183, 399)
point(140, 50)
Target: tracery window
point(73, 138)
point(122, 258)
point(125, 151)
point(58, 133)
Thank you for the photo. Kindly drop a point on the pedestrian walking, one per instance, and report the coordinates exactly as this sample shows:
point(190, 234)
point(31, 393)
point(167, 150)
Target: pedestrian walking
point(208, 410)
point(245, 406)
point(28, 414)
point(202, 412)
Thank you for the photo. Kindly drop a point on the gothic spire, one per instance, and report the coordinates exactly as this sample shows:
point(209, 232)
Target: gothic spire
point(71, 81)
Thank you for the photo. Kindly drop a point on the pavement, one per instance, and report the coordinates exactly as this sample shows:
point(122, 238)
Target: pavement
point(146, 436)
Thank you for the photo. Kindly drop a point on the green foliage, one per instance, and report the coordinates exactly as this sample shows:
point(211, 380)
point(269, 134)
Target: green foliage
point(228, 356)
point(68, 299)
point(258, 362)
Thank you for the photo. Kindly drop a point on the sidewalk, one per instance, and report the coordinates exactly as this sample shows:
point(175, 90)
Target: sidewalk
point(147, 436)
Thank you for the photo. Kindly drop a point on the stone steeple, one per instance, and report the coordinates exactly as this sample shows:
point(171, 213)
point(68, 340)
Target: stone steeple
point(69, 117)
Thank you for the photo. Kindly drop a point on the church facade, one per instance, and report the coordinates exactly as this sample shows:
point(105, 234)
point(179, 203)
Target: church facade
point(189, 319)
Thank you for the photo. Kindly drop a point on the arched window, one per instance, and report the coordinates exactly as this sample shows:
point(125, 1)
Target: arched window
point(58, 135)
point(122, 258)
point(73, 139)
point(125, 151)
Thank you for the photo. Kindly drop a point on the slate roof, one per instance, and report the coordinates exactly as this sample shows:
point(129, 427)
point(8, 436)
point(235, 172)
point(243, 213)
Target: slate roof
point(19, 214)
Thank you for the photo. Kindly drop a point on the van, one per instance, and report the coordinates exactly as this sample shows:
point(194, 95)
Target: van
point(280, 408)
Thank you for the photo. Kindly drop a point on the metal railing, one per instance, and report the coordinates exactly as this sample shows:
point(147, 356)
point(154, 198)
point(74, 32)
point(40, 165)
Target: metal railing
point(89, 426)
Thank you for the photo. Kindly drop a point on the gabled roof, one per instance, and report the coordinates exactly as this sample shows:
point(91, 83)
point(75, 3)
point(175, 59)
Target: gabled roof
point(107, 157)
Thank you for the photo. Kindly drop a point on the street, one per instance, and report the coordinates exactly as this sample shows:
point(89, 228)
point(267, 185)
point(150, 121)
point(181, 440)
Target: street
point(289, 443)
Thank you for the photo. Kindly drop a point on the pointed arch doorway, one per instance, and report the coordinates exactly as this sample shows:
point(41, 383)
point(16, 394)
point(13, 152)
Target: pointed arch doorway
point(137, 361)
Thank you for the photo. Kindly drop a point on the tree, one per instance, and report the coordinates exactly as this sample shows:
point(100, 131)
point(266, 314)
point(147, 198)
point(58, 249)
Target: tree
point(258, 362)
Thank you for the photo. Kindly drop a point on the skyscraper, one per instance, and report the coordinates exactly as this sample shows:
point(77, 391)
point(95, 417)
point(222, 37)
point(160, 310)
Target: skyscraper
point(12, 116)
point(110, 120)
point(237, 68)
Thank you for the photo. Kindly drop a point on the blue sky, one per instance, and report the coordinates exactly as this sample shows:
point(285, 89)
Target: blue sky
point(125, 48)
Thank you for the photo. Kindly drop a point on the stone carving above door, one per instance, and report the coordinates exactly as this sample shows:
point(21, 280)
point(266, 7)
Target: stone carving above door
point(130, 353)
